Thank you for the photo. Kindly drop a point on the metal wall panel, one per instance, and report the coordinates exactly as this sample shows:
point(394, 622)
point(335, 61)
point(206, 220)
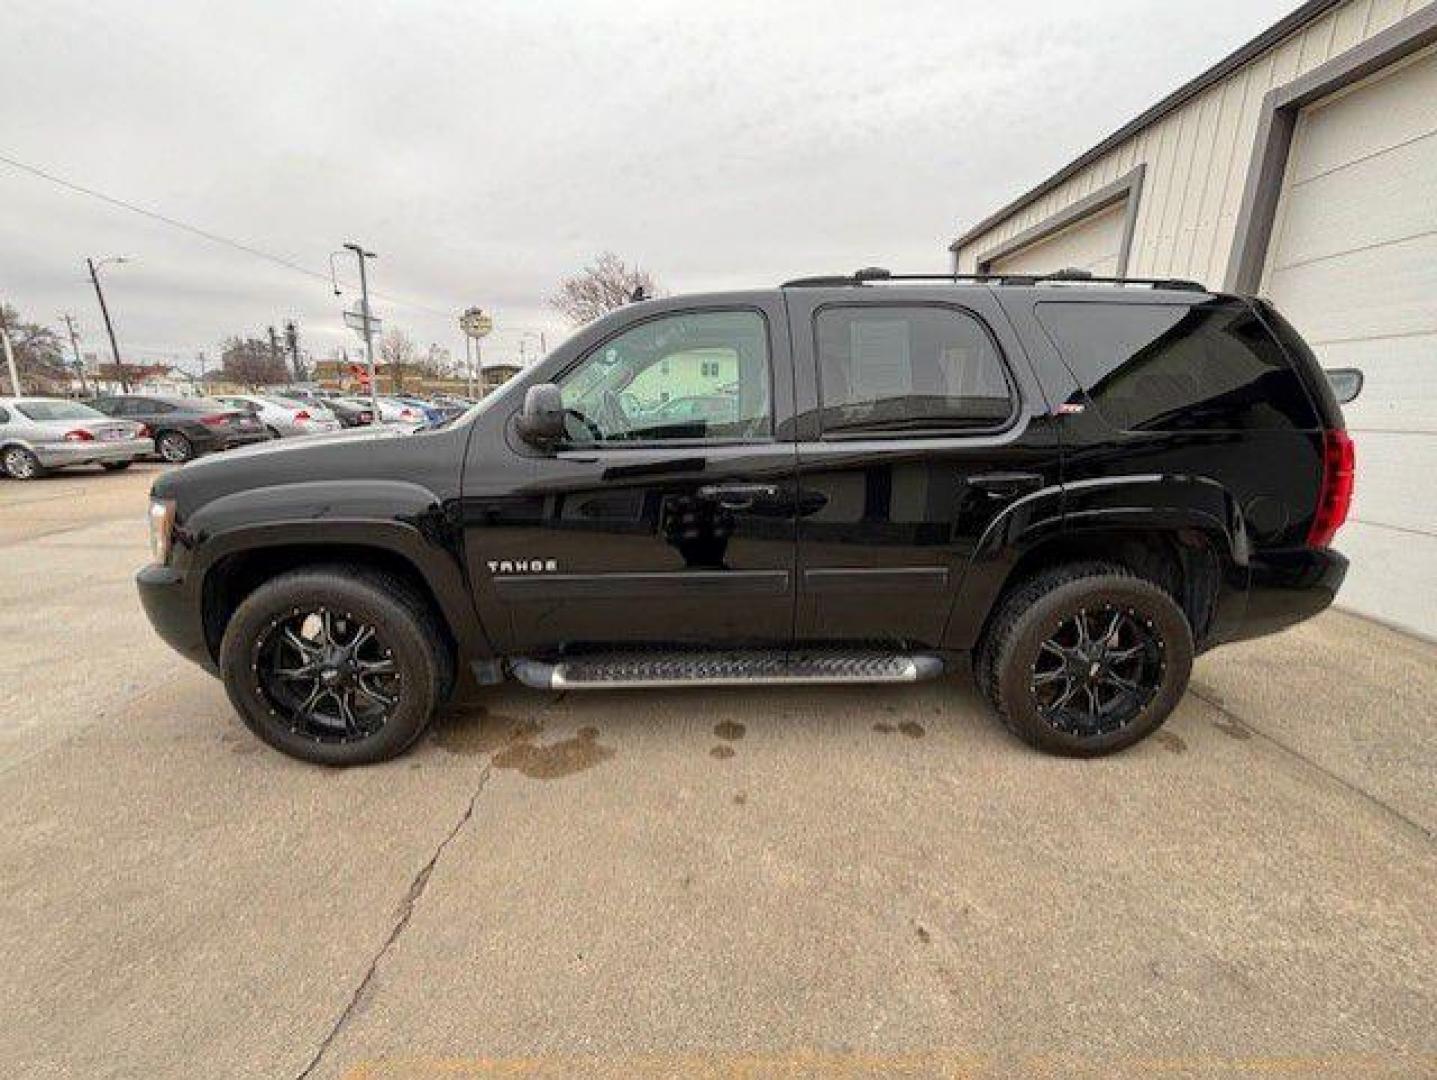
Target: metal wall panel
point(1197, 156)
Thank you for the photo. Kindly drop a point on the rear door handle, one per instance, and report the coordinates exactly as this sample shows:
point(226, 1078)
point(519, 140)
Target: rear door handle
point(1006, 483)
point(737, 496)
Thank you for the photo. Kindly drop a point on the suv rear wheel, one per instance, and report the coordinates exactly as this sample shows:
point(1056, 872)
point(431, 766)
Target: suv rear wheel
point(335, 665)
point(1085, 659)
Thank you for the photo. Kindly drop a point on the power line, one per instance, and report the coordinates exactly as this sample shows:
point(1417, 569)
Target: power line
point(204, 234)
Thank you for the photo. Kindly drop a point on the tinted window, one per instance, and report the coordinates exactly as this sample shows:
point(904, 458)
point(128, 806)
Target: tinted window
point(699, 375)
point(908, 368)
point(1172, 366)
point(4, 416)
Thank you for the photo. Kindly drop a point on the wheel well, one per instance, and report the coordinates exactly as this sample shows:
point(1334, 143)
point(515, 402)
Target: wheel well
point(235, 576)
point(1184, 563)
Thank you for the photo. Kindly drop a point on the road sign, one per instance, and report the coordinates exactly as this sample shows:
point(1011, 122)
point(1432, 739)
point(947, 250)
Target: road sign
point(354, 319)
point(476, 323)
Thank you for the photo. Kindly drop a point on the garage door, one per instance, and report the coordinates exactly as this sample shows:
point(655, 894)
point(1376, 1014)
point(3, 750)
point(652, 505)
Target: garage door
point(1353, 264)
point(1090, 244)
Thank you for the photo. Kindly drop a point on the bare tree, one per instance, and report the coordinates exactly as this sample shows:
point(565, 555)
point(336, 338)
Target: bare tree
point(398, 351)
point(38, 353)
point(604, 285)
point(252, 362)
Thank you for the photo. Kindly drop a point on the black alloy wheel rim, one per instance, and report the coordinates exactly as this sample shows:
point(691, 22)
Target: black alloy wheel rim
point(326, 675)
point(172, 449)
point(1098, 670)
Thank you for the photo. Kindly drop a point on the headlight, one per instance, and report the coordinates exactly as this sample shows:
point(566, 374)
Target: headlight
point(162, 527)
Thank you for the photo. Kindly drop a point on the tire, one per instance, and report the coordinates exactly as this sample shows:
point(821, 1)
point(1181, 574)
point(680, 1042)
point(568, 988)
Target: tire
point(1019, 670)
point(115, 466)
point(19, 463)
point(406, 630)
point(273, 432)
point(174, 447)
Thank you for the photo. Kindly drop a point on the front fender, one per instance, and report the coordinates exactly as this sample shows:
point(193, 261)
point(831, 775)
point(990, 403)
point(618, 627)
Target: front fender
point(394, 516)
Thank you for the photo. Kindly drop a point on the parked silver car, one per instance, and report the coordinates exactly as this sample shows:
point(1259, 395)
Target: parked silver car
point(284, 416)
point(39, 434)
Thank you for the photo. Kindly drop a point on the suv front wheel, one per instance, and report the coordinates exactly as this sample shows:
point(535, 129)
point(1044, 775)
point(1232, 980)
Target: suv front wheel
point(335, 665)
point(1085, 659)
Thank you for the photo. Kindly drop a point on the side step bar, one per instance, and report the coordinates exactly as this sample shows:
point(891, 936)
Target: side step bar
point(621, 671)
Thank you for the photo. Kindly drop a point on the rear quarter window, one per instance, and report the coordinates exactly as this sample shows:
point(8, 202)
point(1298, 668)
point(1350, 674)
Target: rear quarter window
point(1164, 367)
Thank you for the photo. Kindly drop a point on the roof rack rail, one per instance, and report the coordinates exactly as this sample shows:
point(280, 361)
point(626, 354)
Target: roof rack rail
point(876, 274)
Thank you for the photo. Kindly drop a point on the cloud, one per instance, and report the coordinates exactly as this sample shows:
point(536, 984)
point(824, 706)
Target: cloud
point(486, 150)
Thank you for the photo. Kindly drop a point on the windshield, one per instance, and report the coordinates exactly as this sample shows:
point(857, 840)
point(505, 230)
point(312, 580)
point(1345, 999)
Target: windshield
point(59, 410)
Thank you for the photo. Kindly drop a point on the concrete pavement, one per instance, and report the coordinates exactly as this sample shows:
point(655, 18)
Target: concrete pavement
point(808, 882)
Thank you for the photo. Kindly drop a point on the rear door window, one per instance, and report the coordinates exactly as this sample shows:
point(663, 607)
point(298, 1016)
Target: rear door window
point(1157, 367)
point(889, 368)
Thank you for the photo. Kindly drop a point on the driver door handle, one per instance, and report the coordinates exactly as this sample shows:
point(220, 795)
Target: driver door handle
point(737, 496)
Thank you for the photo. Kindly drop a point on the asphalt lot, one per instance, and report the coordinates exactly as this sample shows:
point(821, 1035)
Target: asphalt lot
point(806, 882)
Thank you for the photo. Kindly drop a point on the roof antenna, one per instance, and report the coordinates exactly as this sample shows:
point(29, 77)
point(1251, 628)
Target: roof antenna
point(872, 273)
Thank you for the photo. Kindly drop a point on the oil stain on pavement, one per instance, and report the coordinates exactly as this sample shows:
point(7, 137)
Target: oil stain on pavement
point(514, 744)
point(553, 761)
point(910, 728)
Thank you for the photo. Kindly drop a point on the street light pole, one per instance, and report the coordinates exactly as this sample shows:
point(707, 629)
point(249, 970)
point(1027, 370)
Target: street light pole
point(109, 327)
point(362, 255)
point(75, 344)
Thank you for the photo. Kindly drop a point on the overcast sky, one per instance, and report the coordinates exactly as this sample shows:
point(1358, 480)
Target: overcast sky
point(486, 149)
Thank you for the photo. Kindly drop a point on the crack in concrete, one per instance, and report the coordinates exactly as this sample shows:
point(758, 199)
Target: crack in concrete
point(406, 912)
point(1416, 826)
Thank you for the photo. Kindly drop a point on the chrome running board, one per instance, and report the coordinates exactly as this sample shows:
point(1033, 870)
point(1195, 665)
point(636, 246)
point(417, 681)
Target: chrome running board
point(628, 670)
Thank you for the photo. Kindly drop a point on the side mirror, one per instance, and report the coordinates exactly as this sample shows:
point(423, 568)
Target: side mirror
point(541, 423)
point(1346, 383)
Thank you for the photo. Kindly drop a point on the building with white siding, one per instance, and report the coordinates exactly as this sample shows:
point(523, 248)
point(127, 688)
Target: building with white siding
point(1302, 168)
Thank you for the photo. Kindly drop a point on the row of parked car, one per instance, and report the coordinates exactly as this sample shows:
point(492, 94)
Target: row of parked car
point(40, 434)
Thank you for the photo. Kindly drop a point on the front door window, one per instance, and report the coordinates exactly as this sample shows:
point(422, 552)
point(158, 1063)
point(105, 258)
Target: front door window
point(698, 376)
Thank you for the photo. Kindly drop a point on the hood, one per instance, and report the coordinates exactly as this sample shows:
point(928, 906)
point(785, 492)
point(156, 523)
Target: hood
point(376, 453)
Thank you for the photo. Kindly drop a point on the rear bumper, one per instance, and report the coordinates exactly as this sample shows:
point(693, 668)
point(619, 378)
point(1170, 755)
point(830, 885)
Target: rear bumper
point(174, 612)
point(59, 455)
point(1285, 588)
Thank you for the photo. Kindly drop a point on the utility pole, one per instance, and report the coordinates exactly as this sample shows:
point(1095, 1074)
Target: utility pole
point(75, 344)
point(9, 358)
point(291, 345)
point(274, 350)
point(105, 311)
point(200, 356)
point(362, 255)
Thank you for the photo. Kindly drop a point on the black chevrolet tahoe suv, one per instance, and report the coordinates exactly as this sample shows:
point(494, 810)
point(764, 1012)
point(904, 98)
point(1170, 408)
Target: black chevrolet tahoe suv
point(1080, 484)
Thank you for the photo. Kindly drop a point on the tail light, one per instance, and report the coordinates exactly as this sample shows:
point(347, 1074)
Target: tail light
point(142, 432)
point(79, 435)
point(303, 414)
point(218, 420)
point(408, 414)
point(366, 417)
point(1339, 470)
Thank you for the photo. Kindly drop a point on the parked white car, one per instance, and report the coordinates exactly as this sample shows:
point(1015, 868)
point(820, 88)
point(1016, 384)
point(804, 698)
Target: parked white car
point(393, 411)
point(39, 434)
point(284, 416)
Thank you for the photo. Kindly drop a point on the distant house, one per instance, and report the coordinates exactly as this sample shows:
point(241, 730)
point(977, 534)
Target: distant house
point(496, 374)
